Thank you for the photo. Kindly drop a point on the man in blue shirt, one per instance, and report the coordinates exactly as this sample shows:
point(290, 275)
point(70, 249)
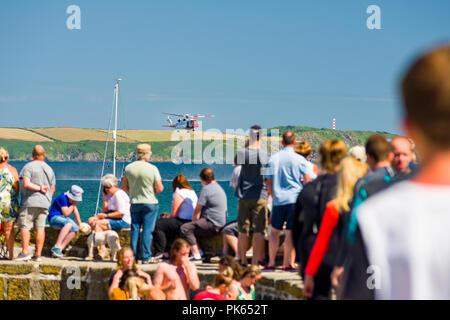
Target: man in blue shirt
point(284, 182)
point(63, 206)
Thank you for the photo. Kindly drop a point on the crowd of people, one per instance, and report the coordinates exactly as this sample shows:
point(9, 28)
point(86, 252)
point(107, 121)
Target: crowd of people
point(371, 208)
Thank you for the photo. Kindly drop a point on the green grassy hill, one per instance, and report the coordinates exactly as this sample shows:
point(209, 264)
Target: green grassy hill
point(63, 144)
point(315, 136)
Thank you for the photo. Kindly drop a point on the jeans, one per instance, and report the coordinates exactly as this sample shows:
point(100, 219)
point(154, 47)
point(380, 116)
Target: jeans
point(117, 224)
point(58, 222)
point(143, 215)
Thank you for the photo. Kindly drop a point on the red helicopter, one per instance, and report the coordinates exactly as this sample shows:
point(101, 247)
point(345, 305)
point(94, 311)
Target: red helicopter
point(184, 121)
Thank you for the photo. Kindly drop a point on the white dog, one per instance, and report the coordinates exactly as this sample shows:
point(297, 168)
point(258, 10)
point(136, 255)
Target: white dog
point(109, 237)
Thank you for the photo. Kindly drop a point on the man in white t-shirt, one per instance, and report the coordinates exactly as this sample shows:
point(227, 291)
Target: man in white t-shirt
point(402, 247)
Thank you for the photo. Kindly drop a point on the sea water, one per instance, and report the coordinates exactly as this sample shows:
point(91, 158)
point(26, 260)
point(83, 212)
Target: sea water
point(87, 174)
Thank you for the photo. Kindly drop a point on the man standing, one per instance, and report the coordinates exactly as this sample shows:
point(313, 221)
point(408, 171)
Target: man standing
point(403, 155)
point(38, 186)
point(252, 193)
point(179, 275)
point(209, 215)
point(142, 180)
point(285, 172)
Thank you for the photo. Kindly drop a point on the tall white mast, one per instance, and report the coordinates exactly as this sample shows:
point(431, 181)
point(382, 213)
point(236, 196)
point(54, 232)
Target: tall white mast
point(116, 93)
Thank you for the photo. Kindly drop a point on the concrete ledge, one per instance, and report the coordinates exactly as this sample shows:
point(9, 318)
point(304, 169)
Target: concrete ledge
point(211, 246)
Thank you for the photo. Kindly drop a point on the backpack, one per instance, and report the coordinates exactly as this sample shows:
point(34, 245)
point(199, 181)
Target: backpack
point(308, 214)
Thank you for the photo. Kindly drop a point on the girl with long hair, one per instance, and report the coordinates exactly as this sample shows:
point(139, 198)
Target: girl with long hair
point(350, 171)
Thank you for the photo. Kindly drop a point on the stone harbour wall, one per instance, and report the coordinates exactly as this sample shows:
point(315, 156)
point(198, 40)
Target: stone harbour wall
point(56, 279)
point(73, 278)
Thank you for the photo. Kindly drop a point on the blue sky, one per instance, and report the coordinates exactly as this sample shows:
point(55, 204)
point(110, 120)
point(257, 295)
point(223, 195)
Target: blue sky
point(245, 61)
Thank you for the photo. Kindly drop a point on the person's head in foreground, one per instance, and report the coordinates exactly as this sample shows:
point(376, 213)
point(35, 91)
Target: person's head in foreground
point(125, 259)
point(131, 283)
point(250, 276)
point(180, 249)
point(220, 289)
point(426, 97)
point(230, 262)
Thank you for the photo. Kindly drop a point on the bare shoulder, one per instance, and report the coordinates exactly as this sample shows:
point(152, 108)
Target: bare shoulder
point(12, 169)
point(162, 267)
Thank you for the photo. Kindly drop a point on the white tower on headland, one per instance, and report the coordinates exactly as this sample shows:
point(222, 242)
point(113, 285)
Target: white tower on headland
point(334, 124)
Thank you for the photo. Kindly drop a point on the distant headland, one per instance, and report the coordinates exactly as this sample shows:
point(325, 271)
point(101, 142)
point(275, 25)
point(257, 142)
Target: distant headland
point(87, 144)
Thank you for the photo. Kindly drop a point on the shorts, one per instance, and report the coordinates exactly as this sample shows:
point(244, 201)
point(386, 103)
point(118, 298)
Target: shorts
point(252, 215)
point(58, 222)
point(33, 216)
point(231, 229)
point(283, 213)
point(117, 224)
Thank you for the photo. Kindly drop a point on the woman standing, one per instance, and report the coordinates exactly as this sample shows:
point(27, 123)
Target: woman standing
point(9, 205)
point(311, 204)
point(351, 170)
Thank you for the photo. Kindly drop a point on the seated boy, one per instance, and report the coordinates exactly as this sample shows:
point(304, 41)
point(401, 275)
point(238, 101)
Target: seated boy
point(62, 207)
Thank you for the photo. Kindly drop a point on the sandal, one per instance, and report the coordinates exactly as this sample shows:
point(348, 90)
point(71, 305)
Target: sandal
point(152, 261)
point(269, 268)
point(290, 269)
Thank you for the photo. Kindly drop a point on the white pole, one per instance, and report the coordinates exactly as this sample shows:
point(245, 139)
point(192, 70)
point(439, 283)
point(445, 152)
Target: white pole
point(116, 93)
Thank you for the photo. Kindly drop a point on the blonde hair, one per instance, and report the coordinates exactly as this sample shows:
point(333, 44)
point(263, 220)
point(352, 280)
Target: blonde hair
point(120, 258)
point(133, 285)
point(350, 171)
point(222, 278)
point(4, 155)
point(252, 271)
